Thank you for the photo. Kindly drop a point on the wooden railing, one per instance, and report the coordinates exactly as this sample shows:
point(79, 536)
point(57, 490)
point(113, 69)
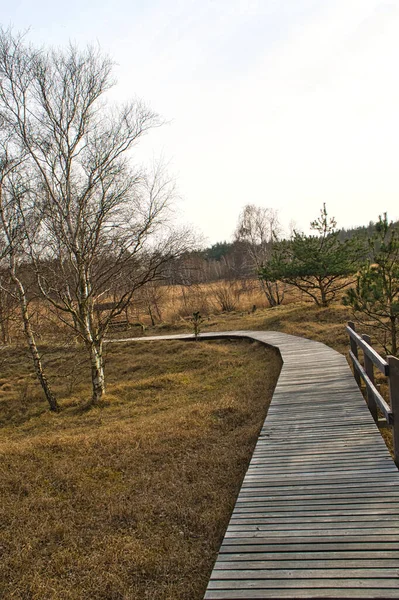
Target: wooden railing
point(365, 372)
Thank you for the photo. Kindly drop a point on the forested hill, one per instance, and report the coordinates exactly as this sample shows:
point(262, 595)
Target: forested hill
point(220, 249)
point(364, 231)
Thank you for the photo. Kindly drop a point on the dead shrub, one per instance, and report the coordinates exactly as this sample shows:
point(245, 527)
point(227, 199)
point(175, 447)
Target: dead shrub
point(226, 295)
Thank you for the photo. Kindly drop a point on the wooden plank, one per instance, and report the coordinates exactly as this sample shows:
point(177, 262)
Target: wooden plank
point(318, 463)
point(265, 518)
point(275, 454)
point(259, 594)
point(312, 470)
point(343, 564)
point(310, 583)
point(262, 555)
point(303, 527)
point(312, 488)
point(304, 548)
point(316, 505)
point(253, 482)
point(311, 541)
point(347, 585)
point(324, 509)
point(249, 514)
point(297, 574)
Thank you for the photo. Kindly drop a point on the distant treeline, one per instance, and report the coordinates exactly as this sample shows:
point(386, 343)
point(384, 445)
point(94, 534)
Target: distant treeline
point(222, 249)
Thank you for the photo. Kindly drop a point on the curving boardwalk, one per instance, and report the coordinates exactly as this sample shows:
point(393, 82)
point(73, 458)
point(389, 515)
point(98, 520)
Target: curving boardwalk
point(318, 511)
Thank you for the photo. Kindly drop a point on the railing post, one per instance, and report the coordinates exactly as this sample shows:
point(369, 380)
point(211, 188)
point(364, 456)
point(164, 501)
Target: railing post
point(369, 368)
point(393, 363)
point(355, 352)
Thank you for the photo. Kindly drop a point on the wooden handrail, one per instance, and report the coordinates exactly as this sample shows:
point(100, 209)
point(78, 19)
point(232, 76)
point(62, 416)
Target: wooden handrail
point(390, 368)
point(382, 405)
point(378, 361)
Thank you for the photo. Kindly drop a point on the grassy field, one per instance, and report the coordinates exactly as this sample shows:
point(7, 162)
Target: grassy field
point(129, 501)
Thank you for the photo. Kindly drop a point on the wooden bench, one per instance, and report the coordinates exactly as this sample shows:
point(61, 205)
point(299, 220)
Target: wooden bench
point(118, 323)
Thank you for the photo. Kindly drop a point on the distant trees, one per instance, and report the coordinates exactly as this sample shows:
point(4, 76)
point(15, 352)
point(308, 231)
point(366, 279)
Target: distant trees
point(375, 296)
point(258, 229)
point(318, 265)
point(102, 226)
point(218, 250)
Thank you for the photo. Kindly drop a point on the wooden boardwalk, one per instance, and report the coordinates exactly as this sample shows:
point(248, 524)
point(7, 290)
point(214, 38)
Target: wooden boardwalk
point(318, 511)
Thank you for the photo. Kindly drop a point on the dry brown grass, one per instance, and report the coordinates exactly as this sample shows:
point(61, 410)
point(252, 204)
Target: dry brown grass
point(129, 501)
point(179, 302)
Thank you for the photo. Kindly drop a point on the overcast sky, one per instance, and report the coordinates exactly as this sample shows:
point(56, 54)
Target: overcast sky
point(280, 103)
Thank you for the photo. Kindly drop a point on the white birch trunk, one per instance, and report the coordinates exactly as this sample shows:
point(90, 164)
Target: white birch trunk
point(30, 338)
point(97, 372)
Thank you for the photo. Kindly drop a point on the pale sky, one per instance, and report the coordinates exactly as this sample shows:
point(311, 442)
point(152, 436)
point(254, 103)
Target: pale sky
point(280, 103)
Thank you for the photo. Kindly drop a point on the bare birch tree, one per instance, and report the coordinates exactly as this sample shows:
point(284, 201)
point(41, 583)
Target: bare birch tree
point(103, 230)
point(258, 228)
point(13, 226)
